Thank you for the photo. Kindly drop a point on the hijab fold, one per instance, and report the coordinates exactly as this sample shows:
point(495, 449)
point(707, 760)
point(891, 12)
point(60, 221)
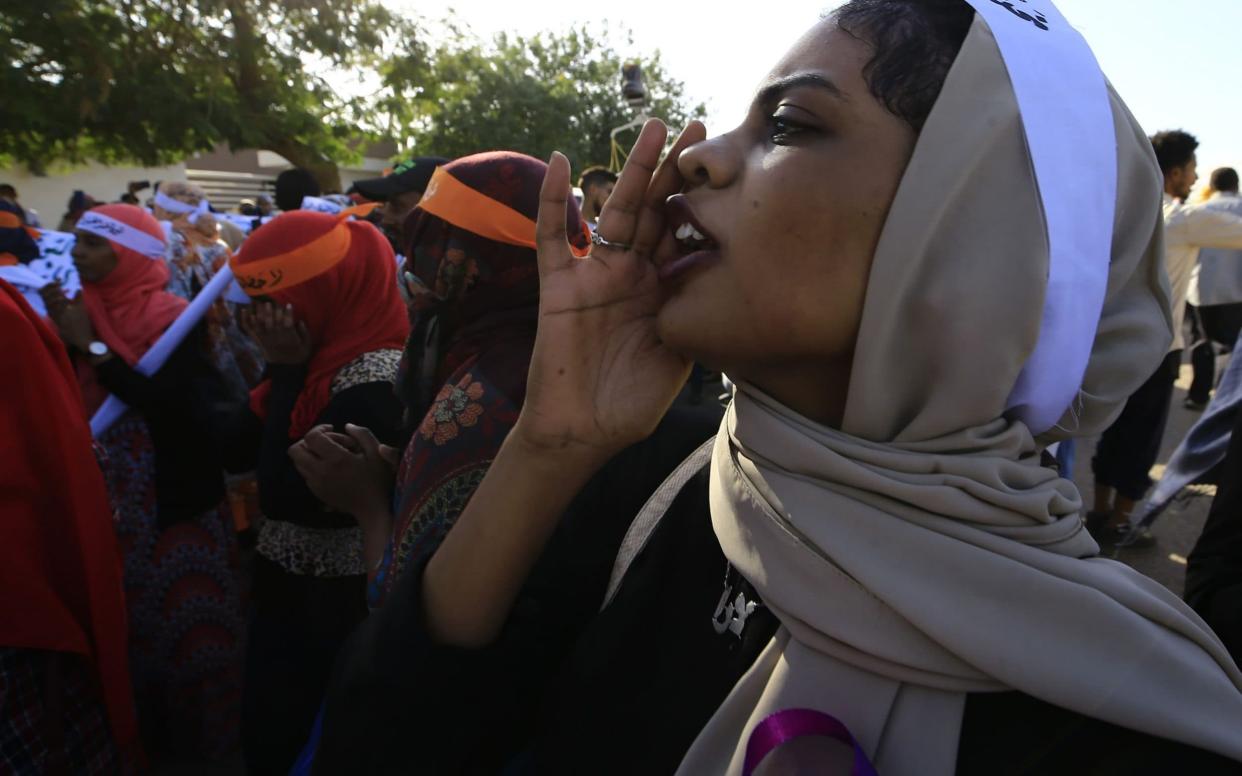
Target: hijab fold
point(921, 552)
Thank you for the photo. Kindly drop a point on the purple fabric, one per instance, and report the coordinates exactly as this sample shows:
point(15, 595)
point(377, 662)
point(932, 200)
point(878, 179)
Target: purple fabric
point(784, 726)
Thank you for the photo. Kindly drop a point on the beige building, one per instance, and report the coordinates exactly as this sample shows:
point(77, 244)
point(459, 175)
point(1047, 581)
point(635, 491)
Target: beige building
point(228, 176)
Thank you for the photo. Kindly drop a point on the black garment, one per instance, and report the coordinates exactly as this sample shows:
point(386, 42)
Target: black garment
point(176, 403)
point(264, 445)
point(1217, 324)
point(1214, 568)
point(568, 689)
point(53, 719)
point(298, 621)
point(293, 636)
point(1129, 448)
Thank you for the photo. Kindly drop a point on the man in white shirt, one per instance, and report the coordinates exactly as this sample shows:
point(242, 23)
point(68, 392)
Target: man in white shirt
point(1129, 448)
point(1216, 293)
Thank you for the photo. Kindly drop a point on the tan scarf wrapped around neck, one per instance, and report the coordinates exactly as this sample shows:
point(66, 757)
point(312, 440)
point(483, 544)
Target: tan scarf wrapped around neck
point(922, 553)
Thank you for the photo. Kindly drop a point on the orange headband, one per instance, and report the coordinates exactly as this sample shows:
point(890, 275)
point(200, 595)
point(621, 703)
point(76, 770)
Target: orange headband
point(463, 207)
point(11, 221)
point(299, 265)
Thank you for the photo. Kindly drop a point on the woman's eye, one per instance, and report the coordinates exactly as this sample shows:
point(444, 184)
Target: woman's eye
point(782, 129)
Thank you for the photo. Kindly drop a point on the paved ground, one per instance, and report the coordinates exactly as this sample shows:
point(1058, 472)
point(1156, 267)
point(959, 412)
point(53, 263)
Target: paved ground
point(1179, 527)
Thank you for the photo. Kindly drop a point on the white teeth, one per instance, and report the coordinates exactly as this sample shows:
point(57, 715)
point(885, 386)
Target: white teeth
point(687, 231)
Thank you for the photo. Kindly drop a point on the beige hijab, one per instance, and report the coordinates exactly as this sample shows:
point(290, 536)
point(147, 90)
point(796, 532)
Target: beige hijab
point(922, 552)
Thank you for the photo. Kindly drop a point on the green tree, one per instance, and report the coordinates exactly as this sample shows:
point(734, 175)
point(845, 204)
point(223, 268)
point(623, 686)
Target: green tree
point(152, 81)
point(535, 95)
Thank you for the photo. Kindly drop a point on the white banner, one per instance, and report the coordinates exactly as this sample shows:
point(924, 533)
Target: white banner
point(1068, 118)
point(54, 265)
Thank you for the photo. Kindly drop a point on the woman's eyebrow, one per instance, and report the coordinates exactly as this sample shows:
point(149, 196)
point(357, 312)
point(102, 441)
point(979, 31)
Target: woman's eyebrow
point(773, 89)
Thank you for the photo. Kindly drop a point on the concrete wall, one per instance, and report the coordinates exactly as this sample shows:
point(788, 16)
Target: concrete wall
point(50, 194)
point(224, 160)
point(368, 168)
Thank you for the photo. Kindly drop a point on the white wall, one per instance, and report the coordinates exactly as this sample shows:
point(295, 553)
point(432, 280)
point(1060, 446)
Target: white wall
point(50, 194)
point(367, 167)
point(348, 176)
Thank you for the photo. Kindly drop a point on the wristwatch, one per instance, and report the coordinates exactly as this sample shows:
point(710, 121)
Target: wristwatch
point(97, 349)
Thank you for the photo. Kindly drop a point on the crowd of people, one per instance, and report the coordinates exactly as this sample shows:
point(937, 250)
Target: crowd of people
point(395, 480)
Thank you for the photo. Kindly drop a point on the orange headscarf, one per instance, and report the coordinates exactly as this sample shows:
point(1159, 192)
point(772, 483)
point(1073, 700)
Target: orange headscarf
point(341, 278)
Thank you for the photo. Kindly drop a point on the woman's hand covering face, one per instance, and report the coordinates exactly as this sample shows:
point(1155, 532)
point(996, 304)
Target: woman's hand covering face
point(600, 378)
point(70, 316)
point(283, 339)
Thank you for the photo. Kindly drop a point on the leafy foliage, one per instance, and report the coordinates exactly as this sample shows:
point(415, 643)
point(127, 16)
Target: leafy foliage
point(152, 81)
point(534, 95)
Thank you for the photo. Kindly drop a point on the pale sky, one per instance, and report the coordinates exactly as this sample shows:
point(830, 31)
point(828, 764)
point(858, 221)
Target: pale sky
point(1173, 61)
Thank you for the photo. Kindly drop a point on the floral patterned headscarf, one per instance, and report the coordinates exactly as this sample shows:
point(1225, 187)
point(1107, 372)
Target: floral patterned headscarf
point(474, 302)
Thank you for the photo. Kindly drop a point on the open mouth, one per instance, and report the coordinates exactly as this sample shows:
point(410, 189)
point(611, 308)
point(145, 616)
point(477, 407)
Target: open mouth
point(690, 239)
point(690, 235)
point(693, 244)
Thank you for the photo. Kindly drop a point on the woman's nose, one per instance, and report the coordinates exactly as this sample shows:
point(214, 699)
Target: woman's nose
point(714, 163)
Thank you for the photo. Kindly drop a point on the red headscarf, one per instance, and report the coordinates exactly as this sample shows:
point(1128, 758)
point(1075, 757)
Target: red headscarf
point(348, 299)
point(129, 308)
point(60, 566)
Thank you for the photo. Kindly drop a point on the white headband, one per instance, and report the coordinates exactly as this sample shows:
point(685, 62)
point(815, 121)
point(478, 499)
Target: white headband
point(111, 229)
point(181, 208)
point(1068, 119)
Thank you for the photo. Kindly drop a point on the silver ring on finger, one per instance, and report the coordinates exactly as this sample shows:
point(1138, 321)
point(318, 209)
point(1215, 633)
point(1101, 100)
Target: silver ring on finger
point(600, 241)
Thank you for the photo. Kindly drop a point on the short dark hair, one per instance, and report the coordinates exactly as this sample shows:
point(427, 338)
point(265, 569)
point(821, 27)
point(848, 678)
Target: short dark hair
point(1174, 148)
point(294, 185)
point(595, 176)
point(915, 43)
point(7, 190)
point(1224, 179)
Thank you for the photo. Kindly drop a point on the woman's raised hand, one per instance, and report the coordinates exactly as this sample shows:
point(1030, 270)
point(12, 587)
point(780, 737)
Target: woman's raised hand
point(600, 378)
point(282, 338)
point(70, 316)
